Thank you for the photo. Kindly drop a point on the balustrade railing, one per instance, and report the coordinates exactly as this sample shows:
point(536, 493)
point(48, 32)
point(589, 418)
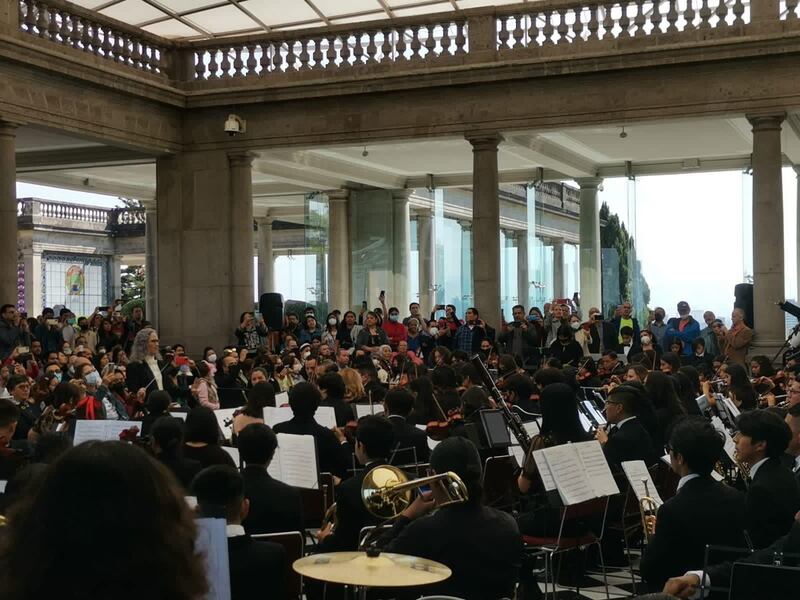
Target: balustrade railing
point(789, 10)
point(84, 31)
point(112, 218)
point(419, 43)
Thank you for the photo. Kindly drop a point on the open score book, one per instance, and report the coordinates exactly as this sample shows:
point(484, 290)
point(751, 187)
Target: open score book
point(579, 472)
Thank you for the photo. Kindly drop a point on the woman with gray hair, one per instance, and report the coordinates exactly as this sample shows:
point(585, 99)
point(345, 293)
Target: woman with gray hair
point(146, 369)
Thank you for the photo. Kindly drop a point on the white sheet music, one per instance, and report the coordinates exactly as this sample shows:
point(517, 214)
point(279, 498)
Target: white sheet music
point(731, 407)
point(571, 481)
point(636, 472)
point(191, 501)
point(532, 427)
point(3, 484)
point(362, 410)
point(596, 468)
point(596, 415)
point(281, 398)
point(295, 461)
point(326, 416)
point(730, 445)
point(519, 454)
point(212, 543)
point(273, 415)
point(179, 415)
point(587, 425)
point(86, 430)
point(225, 414)
point(544, 470)
point(234, 452)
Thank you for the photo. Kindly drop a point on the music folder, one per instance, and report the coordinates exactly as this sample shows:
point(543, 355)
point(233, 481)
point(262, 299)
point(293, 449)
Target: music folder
point(102, 430)
point(579, 472)
point(295, 461)
point(637, 473)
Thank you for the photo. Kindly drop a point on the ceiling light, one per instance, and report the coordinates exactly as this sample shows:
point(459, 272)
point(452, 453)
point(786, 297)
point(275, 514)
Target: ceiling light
point(365, 152)
point(623, 135)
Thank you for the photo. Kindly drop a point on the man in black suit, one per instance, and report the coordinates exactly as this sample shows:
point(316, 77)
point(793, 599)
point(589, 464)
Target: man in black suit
point(702, 512)
point(793, 450)
point(332, 456)
point(257, 568)
point(626, 438)
point(410, 444)
point(374, 438)
point(773, 496)
point(333, 389)
point(481, 545)
point(274, 506)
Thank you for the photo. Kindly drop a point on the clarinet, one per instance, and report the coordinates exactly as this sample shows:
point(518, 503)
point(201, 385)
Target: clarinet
point(513, 422)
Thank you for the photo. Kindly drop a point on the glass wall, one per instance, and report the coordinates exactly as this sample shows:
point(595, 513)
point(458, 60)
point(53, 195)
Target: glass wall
point(78, 282)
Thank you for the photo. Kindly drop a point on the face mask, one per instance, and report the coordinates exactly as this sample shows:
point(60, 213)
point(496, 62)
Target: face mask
point(234, 369)
point(645, 339)
point(305, 355)
point(575, 325)
point(659, 317)
point(67, 351)
point(184, 369)
point(93, 379)
point(393, 318)
point(434, 330)
point(57, 376)
point(84, 328)
point(118, 388)
point(296, 367)
point(70, 321)
point(211, 358)
point(331, 322)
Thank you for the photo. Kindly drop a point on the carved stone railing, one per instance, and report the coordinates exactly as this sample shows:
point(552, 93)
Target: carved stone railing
point(32, 212)
point(336, 49)
point(70, 25)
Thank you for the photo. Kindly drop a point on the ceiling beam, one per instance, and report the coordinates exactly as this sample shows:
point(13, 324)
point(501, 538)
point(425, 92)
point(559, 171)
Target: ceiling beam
point(86, 157)
point(449, 180)
point(90, 185)
point(545, 153)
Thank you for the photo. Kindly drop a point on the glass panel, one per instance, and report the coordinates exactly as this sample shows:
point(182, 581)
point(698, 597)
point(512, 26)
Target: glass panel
point(316, 244)
point(78, 282)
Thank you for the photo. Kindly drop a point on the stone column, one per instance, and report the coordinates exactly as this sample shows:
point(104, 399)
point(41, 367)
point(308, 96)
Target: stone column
point(558, 267)
point(768, 267)
point(427, 261)
point(797, 229)
point(589, 252)
point(466, 262)
point(266, 258)
point(151, 262)
point(8, 214)
point(339, 275)
point(523, 279)
point(401, 248)
point(241, 236)
point(32, 259)
point(115, 277)
point(486, 226)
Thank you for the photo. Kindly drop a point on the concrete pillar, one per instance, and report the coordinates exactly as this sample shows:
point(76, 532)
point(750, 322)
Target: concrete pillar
point(523, 281)
point(151, 262)
point(115, 277)
point(32, 259)
point(797, 229)
point(466, 263)
point(8, 214)
point(558, 267)
point(589, 252)
point(427, 261)
point(266, 257)
point(401, 248)
point(339, 250)
point(486, 226)
point(768, 266)
point(205, 246)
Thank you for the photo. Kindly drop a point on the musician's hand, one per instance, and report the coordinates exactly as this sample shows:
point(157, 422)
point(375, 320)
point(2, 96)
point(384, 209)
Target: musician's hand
point(325, 532)
point(339, 433)
point(650, 521)
point(706, 385)
point(682, 587)
point(421, 505)
point(141, 394)
point(601, 435)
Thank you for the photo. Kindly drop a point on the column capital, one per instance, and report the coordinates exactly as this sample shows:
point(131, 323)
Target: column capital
point(522, 234)
point(338, 195)
point(465, 225)
point(769, 121)
point(589, 183)
point(482, 140)
point(265, 220)
point(402, 194)
point(149, 204)
point(8, 128)
point(241, 158)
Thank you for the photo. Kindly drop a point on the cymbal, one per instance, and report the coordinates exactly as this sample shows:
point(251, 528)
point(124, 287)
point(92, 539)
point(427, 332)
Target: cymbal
point(385, 570)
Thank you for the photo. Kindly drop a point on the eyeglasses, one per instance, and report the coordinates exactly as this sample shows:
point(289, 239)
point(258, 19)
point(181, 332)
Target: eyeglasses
point(668, 448)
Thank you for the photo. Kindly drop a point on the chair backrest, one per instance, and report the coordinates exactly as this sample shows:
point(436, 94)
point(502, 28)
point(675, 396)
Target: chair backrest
point(592, 512)
point(292, 542)
point(368, 530)
point(499, 481)
point(316, 502)
point(765, 582)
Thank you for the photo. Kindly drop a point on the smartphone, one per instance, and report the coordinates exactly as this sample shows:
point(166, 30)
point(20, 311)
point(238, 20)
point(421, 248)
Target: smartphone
point(181, 360)
point(51, 322)
point(23, 350)
point(364, 304)
point(383, 293)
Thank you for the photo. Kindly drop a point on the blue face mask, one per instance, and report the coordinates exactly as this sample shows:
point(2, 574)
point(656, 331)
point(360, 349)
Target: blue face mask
point(93, 379)
point(57, 376)
point(394, 318)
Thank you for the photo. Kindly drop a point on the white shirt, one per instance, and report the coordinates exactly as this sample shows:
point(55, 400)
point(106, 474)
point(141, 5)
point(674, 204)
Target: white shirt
point(111, 412)
point(234, 530)
point(151, 362)
point(685, 479)
point(621, 423)
point(756, 467)
point(796, 464)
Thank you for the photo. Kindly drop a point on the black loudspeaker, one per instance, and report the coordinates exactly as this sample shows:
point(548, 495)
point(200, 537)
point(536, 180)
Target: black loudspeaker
point(271, 307)
point(744, 300)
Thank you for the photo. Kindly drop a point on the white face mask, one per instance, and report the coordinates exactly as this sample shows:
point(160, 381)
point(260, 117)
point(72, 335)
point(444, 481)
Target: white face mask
point(434, 330)
point(305, 355)
point(575, 325)
point(331, 322)
point(645, 339)
point(212, 358)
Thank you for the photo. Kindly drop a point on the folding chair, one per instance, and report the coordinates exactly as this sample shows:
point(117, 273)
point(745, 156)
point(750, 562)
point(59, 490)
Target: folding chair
point(368, 530)
point(292, 542)
point(765, 582)
point(553, 546)
point(316, 503)
point(626, 519)
point(499, 481)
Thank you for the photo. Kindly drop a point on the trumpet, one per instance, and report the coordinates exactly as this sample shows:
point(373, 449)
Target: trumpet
point(648, 509)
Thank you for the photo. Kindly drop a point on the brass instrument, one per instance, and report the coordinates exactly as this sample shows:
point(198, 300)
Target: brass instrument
point(330, 518)
point(648, 509)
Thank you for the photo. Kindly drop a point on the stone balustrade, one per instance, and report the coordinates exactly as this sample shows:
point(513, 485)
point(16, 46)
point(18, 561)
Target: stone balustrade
point(31, 211)
point(550, 28)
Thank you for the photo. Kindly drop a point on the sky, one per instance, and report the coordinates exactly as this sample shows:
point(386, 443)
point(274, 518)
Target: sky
point(688, 232)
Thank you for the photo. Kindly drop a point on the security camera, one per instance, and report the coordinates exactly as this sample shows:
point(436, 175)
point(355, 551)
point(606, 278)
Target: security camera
point(235, 125)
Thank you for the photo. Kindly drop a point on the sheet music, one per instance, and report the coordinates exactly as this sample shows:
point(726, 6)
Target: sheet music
point(596, 468)
point(212, 542)
point(86, 430)
point(225, 414)
point(326, 416)
point(568, 472)
point(234, 452)
point(587, 425)
point(702, 403)
point(273, 415)
point(531, 427)
point(3, 484)
point(596, 415)
point(544, 470)
point(730, 445)
point(281, 398)
point(179, 415)
point(519, 454)
point(191, 501)
point(636, 472)
point(732, 410)
point(295, 461)
point(362, 410)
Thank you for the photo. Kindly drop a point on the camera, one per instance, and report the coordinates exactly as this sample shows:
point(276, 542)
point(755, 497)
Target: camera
point(235, 125)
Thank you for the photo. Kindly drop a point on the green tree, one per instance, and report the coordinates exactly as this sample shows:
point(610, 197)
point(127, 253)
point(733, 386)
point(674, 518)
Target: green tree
point(132, 283)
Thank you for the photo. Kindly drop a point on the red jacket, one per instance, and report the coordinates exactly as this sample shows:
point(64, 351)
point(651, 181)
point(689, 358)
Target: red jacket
point(395, 331)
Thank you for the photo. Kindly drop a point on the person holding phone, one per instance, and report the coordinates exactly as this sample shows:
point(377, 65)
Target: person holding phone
point(250, 332)
point(11, 335)
point(468, 337)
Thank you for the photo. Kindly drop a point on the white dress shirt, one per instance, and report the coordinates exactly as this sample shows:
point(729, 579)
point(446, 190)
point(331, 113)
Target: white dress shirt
point(151, 362)
point(756, 467)
point(234, 530)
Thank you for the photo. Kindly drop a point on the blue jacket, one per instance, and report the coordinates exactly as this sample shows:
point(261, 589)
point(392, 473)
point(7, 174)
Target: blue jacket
point(687, 336)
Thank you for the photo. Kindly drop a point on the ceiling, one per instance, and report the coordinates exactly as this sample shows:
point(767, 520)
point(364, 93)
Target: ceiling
point(197, 19)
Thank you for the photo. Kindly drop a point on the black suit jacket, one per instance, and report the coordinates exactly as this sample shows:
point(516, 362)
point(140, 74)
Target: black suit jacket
point(257, 568)
point(773, 499)
point(629, 442)
point(703, 512)
point(184, 469)
point(138, 375)
point(332, 457)
point(274, 506)
point(351, 514)
point(408, 436)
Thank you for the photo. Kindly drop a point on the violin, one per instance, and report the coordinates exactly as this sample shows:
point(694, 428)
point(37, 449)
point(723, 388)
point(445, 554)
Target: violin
point(440, 430)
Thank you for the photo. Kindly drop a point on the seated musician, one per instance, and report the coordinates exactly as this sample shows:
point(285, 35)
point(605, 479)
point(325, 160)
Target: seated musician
point(374, 442)
point(410, 444)
point(480, 544)
point(702, 512)
point(625, 438)
point(560, 425)
point(773, 496)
